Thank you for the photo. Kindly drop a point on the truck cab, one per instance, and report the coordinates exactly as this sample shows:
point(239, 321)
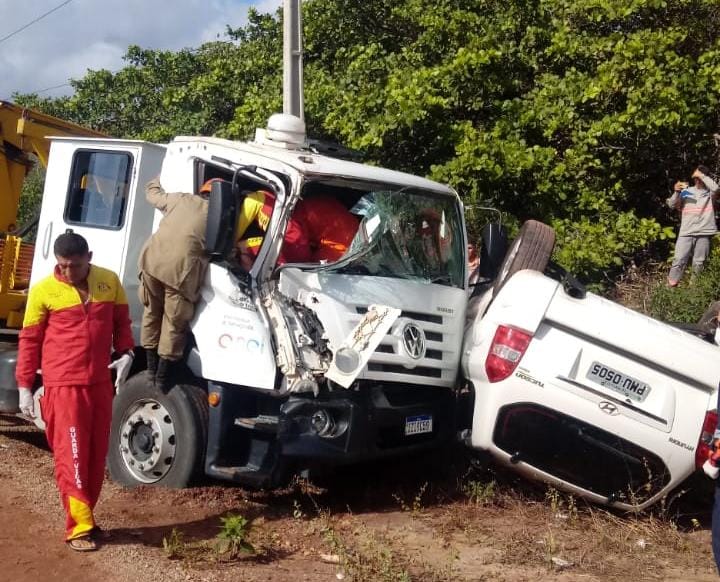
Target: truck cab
point(287, 364)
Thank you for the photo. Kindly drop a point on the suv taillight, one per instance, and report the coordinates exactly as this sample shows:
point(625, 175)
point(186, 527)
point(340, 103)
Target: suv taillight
point(704, 447)
point(508, 347)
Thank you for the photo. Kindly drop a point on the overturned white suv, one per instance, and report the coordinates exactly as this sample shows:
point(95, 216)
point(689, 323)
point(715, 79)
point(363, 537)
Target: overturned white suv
point(583, 393)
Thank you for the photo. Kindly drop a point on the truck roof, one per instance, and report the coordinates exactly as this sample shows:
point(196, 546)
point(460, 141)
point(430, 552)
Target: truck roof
point(310, 163)
point(303, 160)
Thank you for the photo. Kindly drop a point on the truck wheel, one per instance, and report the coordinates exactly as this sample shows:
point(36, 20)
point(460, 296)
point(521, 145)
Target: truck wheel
point(157, 438)
point(530, 250)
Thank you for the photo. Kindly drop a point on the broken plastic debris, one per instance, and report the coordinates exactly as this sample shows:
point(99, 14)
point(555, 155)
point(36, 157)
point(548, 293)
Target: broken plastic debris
point(560, 563)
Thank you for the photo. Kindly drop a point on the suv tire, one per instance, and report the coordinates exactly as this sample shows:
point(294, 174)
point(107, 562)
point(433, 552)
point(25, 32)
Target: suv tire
point(531, 249)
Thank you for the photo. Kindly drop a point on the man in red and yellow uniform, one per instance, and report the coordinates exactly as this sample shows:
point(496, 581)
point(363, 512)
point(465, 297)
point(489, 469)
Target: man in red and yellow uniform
point(72, 321)
point(329, 227)
point(253, 221)
point(320, 229)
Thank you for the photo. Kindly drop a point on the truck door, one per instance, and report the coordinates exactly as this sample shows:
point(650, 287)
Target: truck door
point(87, 190)
point(96, 188)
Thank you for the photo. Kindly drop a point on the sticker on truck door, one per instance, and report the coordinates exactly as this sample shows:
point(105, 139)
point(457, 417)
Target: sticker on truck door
point(617, 381)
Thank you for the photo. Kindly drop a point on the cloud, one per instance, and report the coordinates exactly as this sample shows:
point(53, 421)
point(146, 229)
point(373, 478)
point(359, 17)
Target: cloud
point(92, 34)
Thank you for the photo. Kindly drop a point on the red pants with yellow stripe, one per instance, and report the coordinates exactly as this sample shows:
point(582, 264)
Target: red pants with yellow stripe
point(77, 420)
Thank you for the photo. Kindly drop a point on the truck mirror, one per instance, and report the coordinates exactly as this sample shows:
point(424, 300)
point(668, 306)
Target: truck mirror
point(222, 218)
point(493, 251)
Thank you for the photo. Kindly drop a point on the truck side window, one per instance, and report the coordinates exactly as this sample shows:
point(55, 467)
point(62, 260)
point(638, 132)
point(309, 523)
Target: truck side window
point(98, 189)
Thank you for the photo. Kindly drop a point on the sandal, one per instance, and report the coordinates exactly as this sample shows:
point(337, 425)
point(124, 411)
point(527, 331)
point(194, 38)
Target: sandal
point(82, 544)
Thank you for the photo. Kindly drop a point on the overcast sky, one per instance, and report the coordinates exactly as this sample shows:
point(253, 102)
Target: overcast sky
point(94, 34)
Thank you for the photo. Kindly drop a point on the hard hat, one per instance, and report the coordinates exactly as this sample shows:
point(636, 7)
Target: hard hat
point(207, 186)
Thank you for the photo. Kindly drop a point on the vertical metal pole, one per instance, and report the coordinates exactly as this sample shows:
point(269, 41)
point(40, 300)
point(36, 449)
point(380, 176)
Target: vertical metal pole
point(292, 59)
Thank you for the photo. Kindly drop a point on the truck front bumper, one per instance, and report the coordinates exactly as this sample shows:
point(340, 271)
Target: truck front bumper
point(373, 422)
point(252, 436)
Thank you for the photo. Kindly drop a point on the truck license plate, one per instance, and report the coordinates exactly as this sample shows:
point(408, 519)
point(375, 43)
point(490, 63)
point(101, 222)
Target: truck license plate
point(619, 382)
point(418, 424)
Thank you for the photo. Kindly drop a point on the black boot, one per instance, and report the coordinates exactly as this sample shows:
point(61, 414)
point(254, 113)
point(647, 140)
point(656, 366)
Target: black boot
point(151, 356)
point(163, 377)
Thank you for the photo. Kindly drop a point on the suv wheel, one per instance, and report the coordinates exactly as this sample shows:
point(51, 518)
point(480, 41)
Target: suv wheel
point(530, 250)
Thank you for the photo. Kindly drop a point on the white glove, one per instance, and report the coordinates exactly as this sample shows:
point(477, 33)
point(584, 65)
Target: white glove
point(122, 368)
point(27, 404)
point(711, 470)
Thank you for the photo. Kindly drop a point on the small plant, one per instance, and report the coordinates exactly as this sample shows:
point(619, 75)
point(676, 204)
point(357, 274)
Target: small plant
point(298, 513)
point(233, 536)
point(174, 544)
point(561, 506)
point(479, 492)
point(551, 546)
point(416, 506)
point(552, 496)
point(370, 558)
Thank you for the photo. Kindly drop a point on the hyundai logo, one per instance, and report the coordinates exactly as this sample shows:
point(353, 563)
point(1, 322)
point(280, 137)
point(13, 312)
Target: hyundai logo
point(608, 407)
point(414, 341)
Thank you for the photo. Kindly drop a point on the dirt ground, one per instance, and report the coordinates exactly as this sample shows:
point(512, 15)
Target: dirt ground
point(420, 519)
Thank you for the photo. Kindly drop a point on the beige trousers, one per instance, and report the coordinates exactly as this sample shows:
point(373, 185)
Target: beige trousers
point(165, 318)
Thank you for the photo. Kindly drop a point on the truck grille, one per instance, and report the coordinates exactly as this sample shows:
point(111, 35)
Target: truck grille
point(438, 367)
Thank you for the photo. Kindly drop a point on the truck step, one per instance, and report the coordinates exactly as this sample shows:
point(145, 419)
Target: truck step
point(262, 422)
point(247, 475)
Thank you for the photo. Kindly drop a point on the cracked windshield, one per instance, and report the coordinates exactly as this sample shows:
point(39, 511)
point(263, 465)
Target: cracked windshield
point(408, 235)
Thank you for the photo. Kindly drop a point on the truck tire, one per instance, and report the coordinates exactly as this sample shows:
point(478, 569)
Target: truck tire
point(156, 437)
point(531, 249)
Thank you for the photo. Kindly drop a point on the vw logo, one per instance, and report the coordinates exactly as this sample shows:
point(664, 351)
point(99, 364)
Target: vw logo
point(608, 407)
point(414, 341)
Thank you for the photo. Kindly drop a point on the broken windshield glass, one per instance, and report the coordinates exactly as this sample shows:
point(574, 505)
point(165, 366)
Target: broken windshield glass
point(409, 235)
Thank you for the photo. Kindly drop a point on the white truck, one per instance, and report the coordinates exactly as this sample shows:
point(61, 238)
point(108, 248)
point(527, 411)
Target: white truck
point(331, 363)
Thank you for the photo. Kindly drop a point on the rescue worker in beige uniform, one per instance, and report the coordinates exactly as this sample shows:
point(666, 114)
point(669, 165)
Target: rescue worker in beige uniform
point(172, 266)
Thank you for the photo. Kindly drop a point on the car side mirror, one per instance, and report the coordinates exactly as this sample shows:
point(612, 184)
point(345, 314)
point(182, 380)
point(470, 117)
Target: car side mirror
point(223, 208)
point(494, 248)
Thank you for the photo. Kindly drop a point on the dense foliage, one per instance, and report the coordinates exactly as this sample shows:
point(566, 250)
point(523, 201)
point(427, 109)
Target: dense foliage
point(579, 113)
point(687, 302)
